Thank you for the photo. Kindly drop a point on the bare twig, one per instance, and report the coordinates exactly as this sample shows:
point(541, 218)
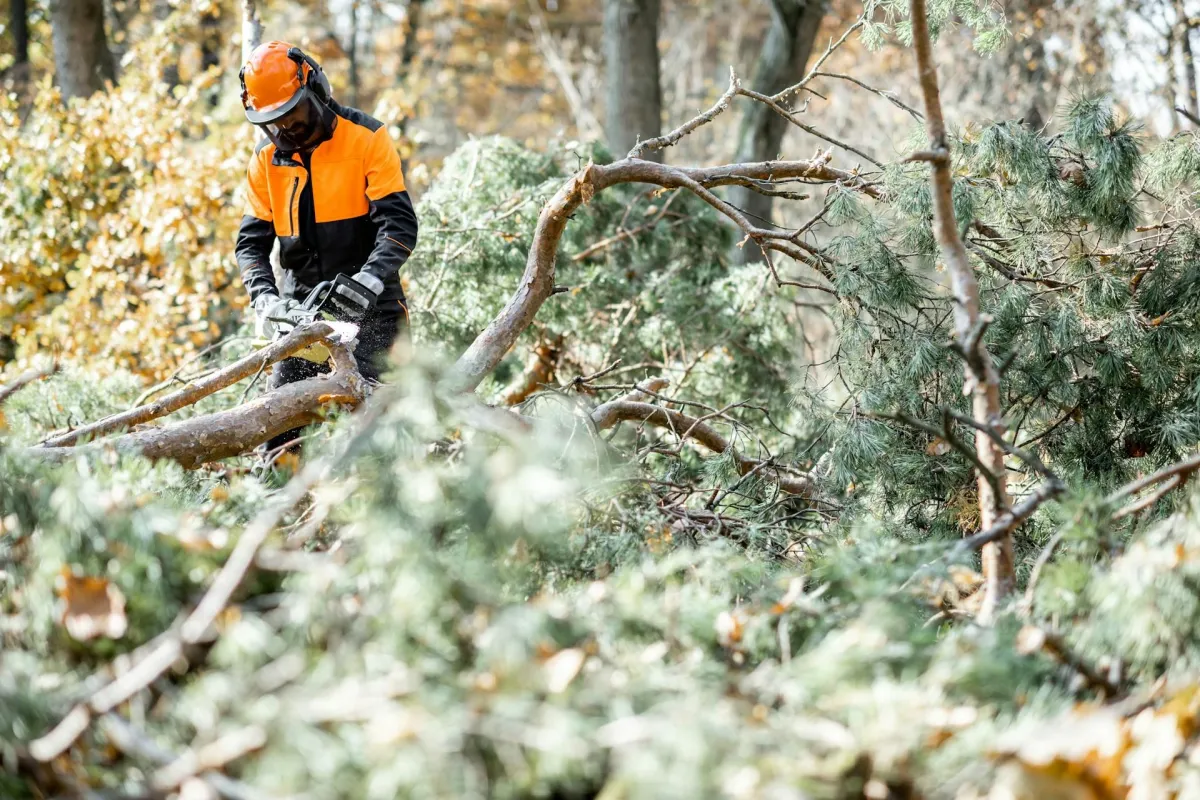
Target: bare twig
point(884, 93)
point(669, 139)
point(774, 105)
point(812, 73)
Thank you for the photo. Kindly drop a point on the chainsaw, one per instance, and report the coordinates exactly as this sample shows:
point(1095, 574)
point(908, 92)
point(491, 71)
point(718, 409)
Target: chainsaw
point(327, 302)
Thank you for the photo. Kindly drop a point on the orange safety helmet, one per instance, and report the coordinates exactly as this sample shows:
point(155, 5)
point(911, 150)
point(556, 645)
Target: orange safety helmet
point(276, 77)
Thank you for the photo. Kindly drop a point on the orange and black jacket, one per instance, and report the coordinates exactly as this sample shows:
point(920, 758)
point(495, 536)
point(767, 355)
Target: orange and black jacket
point(339, 209)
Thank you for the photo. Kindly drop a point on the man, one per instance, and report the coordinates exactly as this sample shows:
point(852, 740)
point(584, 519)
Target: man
point(327, 182)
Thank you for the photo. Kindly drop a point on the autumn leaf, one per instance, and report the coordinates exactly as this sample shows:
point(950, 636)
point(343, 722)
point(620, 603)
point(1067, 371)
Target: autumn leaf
point(90, 607)
point(938, 447)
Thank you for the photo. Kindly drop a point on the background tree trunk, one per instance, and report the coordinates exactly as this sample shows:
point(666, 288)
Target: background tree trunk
point(634, 107)
point(352, 53)
point(82, 60)
point(784, 57)
point(18, 22)
point(1191, 103)
point(252, 29)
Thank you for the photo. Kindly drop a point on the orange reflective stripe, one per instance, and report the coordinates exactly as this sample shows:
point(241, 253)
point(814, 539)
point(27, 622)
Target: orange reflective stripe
point(393, 241)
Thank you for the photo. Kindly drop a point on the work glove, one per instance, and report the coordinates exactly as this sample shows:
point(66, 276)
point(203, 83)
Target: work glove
point(358, 295)
point(275, 315)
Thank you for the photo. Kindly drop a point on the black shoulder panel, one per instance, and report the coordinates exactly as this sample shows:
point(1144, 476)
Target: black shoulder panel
point(357, 117)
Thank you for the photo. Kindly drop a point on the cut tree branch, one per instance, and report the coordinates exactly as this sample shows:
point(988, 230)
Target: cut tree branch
point(300, 338)
point(212, 437)
point(537, 282)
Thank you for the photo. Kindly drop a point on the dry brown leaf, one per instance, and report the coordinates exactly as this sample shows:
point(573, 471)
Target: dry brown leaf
point(938, 447)
point(90, 607)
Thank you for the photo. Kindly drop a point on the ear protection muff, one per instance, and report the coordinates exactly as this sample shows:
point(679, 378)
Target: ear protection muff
point(315, 79)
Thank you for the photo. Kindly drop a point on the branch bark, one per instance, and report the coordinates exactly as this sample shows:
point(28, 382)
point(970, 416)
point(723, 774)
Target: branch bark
point(981, 374)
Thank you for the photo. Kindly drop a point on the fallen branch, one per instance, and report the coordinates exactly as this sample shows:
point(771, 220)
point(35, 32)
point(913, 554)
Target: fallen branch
point(24, 379)
point(537, 282)
point(227, 433)
point(1033, 639)
point(608, 415)
point(294, 342)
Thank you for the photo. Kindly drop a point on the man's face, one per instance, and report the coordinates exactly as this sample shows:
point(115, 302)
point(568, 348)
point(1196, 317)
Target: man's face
point(298, 128)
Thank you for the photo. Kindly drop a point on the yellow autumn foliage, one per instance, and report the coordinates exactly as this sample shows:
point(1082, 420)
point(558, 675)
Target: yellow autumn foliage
point(118, 218)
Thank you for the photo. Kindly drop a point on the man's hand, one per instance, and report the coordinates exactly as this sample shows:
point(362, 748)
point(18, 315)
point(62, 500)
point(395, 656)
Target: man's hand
point(274, 314)
point(360, 296)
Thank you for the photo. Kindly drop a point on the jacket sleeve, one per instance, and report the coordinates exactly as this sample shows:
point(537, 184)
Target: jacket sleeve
point(391, 208)
point(256, 235)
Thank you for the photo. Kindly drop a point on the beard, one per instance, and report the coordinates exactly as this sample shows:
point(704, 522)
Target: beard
point(301, 136)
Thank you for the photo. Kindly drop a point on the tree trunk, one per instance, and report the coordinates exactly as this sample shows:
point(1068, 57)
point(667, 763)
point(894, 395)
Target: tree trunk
point(634, 107)
point(18, 21)
point(784, 57)
point(352, 52)
point(82, 60)
point(1191, 102)
point(252, 29)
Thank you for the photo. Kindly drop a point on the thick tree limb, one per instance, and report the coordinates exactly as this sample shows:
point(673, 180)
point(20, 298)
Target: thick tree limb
point(982, 377)
point(294, 342)
point(537, 282)
point(227, 433)
point(169, 646)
